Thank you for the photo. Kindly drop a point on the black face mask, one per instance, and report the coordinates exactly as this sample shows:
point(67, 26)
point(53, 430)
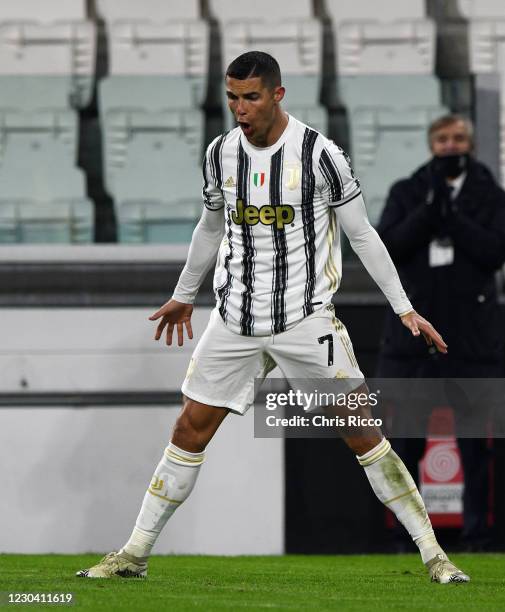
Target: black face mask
point(450, 166)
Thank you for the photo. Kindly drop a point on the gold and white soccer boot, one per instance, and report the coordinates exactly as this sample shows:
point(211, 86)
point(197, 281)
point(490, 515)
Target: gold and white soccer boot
point(115, 564)
point(443, 571)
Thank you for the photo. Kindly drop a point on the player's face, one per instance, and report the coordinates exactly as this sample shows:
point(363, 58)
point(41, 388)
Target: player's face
point(254, 106)
point(452, 139)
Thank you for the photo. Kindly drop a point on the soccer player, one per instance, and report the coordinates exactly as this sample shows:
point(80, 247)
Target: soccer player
point(275, 193)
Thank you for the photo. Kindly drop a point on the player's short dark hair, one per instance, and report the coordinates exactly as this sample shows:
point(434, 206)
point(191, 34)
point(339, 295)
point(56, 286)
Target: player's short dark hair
point(256, 64)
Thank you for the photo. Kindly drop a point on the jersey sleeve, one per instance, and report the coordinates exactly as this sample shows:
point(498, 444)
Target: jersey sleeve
point(337, 182)
point(202, 254)
point(213, 175)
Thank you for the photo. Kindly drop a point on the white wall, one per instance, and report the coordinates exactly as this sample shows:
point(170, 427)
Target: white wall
point(72, 480)
point(89, 350)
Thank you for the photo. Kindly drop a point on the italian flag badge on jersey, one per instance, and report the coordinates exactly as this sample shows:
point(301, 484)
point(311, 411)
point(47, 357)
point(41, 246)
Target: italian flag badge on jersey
point(259, 179)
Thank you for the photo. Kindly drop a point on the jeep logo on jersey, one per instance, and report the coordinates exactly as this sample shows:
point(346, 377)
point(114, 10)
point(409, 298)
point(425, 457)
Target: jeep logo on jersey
point(267, 215)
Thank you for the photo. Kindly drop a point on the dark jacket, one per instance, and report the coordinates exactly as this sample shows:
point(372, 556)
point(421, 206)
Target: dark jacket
point(460, 299)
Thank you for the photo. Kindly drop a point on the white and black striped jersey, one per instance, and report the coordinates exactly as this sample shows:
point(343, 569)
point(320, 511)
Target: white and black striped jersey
point(280, 259)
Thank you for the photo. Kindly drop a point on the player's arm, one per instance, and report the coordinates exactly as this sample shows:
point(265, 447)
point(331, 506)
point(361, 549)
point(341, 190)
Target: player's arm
point(342, 190)
point(371, 250)
point(202, 254)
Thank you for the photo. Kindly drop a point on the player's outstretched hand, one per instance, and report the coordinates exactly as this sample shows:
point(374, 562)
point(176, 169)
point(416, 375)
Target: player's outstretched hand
point(174, 313)
point(419, 325)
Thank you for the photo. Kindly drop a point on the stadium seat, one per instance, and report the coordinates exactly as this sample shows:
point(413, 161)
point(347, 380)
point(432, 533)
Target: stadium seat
point(31, 48)
point(487, 43)
point(388, 145)
point(176, 48)
point(393, 91)
point(158, 39)
point(386, 57)
point(155, 11)
point(156, 66)
point(153, 142)
point(36, 106)
point(43, 12)
point(47, 57)
point(158, 167)
point(386, 48)
point(301, 90)
point(32, 126)
point(391, 37)
point(62, 49)
point(480, 9)
point(486, 57)
point(39, 168)
point(28, 221)
point(42, 196)
point(392, 10)
point(296, 45)
point(123, 127)
point(29, 93)
point(143, 221)
point(476, 29)
point(148, 93)
point(486, 34)
point(158, 189)
point(231, 10)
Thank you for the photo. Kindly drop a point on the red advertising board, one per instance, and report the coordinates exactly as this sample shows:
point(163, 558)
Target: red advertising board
point(441, 480)
point(441, 473)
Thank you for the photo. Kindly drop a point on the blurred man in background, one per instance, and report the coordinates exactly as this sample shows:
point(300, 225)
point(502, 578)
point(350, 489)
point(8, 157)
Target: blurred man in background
point(445, 230)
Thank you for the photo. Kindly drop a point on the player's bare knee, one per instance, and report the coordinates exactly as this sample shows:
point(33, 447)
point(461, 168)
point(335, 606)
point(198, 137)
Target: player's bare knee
point(362, 444)
point(185, 435)
point(363, 438)
point(196, 425)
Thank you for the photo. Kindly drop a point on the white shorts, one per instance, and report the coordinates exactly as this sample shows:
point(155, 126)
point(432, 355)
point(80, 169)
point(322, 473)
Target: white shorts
point(224, 364)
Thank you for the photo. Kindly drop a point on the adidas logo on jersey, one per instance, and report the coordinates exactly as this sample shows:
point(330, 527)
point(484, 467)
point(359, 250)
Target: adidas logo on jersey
point(267, 215)
point(229, 182)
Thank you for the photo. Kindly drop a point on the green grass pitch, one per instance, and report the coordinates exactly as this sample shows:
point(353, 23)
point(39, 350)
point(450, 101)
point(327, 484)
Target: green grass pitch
point(178, 583)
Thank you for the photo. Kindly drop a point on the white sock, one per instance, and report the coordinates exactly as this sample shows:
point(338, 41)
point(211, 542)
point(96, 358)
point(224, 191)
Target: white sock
point(172, 482)
point(396, 489)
